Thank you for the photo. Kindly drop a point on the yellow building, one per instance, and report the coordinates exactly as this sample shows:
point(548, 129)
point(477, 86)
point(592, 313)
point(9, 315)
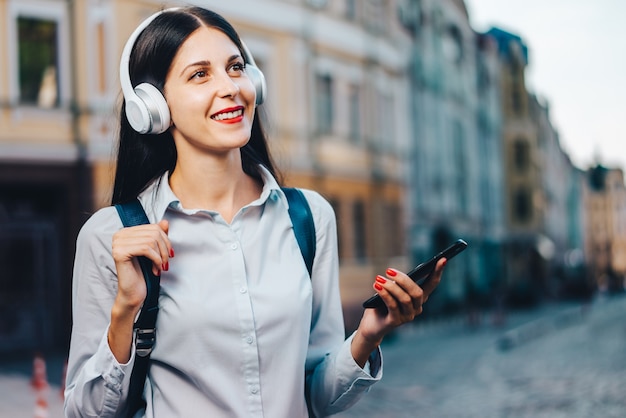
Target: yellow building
point(338, 124)
point(605, 201)
point(529, 251)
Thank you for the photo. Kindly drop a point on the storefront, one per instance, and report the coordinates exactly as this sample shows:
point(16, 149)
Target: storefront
point(41, 210)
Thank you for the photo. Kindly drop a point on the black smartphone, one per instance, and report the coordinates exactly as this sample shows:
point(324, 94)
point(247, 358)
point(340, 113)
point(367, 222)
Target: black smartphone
point(422, 272)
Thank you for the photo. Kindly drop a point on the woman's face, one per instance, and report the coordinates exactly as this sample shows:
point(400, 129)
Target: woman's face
point(210, 97)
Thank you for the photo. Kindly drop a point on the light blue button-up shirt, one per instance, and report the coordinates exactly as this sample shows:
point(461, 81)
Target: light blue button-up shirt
point(241, 326)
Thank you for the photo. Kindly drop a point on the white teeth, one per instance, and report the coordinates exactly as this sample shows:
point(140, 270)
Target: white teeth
point(228, 115)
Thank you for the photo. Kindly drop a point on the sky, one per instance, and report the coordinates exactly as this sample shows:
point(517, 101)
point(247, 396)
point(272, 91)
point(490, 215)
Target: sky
point(577, 63)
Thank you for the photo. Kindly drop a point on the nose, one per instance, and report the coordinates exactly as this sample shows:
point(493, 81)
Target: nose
point(227, 86)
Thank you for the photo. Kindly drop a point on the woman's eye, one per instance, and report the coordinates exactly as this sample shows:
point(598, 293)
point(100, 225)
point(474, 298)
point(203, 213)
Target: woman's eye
point(238, 67)
point(198, 74)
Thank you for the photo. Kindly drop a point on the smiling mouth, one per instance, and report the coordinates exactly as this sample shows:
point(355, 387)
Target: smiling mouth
point(228, 115)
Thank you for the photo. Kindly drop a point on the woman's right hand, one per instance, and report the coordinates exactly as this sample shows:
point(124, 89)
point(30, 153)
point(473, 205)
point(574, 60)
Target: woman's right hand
point(150, 241)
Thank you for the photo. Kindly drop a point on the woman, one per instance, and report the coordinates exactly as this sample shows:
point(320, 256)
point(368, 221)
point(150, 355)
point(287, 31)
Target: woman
point(243, 331)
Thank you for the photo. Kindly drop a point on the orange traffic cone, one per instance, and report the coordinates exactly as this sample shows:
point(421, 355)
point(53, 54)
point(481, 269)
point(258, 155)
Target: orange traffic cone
point(41, 408)
point(63, 376)
point(40, 383)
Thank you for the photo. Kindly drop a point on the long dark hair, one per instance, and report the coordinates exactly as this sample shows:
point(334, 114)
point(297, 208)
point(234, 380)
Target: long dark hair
point(142, 159)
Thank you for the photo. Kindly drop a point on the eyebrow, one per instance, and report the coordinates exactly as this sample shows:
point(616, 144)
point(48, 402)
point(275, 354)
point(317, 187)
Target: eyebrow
point(203, 63)
point(207, 63)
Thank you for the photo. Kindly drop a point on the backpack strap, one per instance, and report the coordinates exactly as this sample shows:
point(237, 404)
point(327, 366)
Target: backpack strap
point(132, 214)
point(303, 224)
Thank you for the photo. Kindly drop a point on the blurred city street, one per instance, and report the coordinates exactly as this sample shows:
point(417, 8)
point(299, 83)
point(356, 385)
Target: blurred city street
point(565, 360)
point(558, 361)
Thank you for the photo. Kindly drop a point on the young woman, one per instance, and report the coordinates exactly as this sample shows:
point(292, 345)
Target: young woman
point(242, 331)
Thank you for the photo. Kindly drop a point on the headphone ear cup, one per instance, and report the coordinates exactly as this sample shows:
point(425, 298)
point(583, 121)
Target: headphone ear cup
point(258, 80)
point(148, 113)
point(137, 113)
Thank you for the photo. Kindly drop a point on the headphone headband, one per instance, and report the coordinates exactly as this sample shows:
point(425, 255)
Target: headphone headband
point(146, 109)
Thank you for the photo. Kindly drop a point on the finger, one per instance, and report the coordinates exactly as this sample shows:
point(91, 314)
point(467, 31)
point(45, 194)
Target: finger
point(407, 285)
point(433, 281)
point(149, 241)
point(380, 284)
point(165, 246)
point(406, 295)
point(165, 226)
point(162, 241)
point(149, 248)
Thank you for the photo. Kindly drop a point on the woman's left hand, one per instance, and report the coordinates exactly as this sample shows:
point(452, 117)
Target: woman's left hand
point(403, 299)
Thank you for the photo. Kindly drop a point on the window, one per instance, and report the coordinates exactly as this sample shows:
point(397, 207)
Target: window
point(452, 45)
point(351, 9)
point(38, 49)
point(38, 62)
point(410, 14)
point(336, 205)
point(395, 233)
point(460, 169)
point(358, 222)
point(516, 101)
point(318, 3)
point(375, 15)
point(386, 123)
point(522, 206)
point(355, 113)
point(101, 58)
point(483, 78)
point(324, 103)
point(517, 89)
point(521, 155)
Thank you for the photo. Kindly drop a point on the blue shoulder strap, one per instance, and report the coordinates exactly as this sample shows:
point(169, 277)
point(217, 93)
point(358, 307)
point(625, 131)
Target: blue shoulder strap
point(303, 225)
point(132, 214)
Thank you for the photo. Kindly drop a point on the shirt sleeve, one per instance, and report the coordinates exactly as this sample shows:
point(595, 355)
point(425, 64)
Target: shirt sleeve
point(97, 383)
point(334, 379)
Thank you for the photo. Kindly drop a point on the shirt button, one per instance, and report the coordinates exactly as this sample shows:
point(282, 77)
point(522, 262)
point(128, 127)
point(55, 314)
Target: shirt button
point(249, 340)
point(243, 290)
point(254, 389)
point(233, 246)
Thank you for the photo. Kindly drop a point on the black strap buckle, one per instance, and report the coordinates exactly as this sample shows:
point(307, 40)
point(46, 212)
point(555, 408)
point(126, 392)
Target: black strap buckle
point(144, 341)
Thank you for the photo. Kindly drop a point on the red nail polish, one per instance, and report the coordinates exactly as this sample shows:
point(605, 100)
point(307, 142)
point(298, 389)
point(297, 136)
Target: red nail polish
point(166, 266)
point(171, 252)
point(444, 263)
point(381, 279)
point(391, 272)
point(378, 286)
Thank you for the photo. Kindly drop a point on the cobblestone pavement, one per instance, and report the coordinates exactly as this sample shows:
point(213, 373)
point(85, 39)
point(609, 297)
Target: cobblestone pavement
point(558, 361)
point(565, 362)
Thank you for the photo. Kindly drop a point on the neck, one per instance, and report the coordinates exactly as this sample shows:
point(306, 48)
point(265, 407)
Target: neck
point(214, 183)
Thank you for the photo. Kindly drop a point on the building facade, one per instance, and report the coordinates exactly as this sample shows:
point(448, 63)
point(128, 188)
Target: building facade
point(456, 170)
point(524, 199)
point(545, 215)
point(562, 240)
point(605, 200)
point(45, 175)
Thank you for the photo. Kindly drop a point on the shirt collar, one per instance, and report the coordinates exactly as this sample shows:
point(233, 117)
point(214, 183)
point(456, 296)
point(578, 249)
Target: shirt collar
point(158, 196)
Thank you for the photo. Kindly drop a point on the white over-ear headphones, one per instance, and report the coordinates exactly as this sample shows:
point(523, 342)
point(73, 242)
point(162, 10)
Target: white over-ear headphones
point(146, 108)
